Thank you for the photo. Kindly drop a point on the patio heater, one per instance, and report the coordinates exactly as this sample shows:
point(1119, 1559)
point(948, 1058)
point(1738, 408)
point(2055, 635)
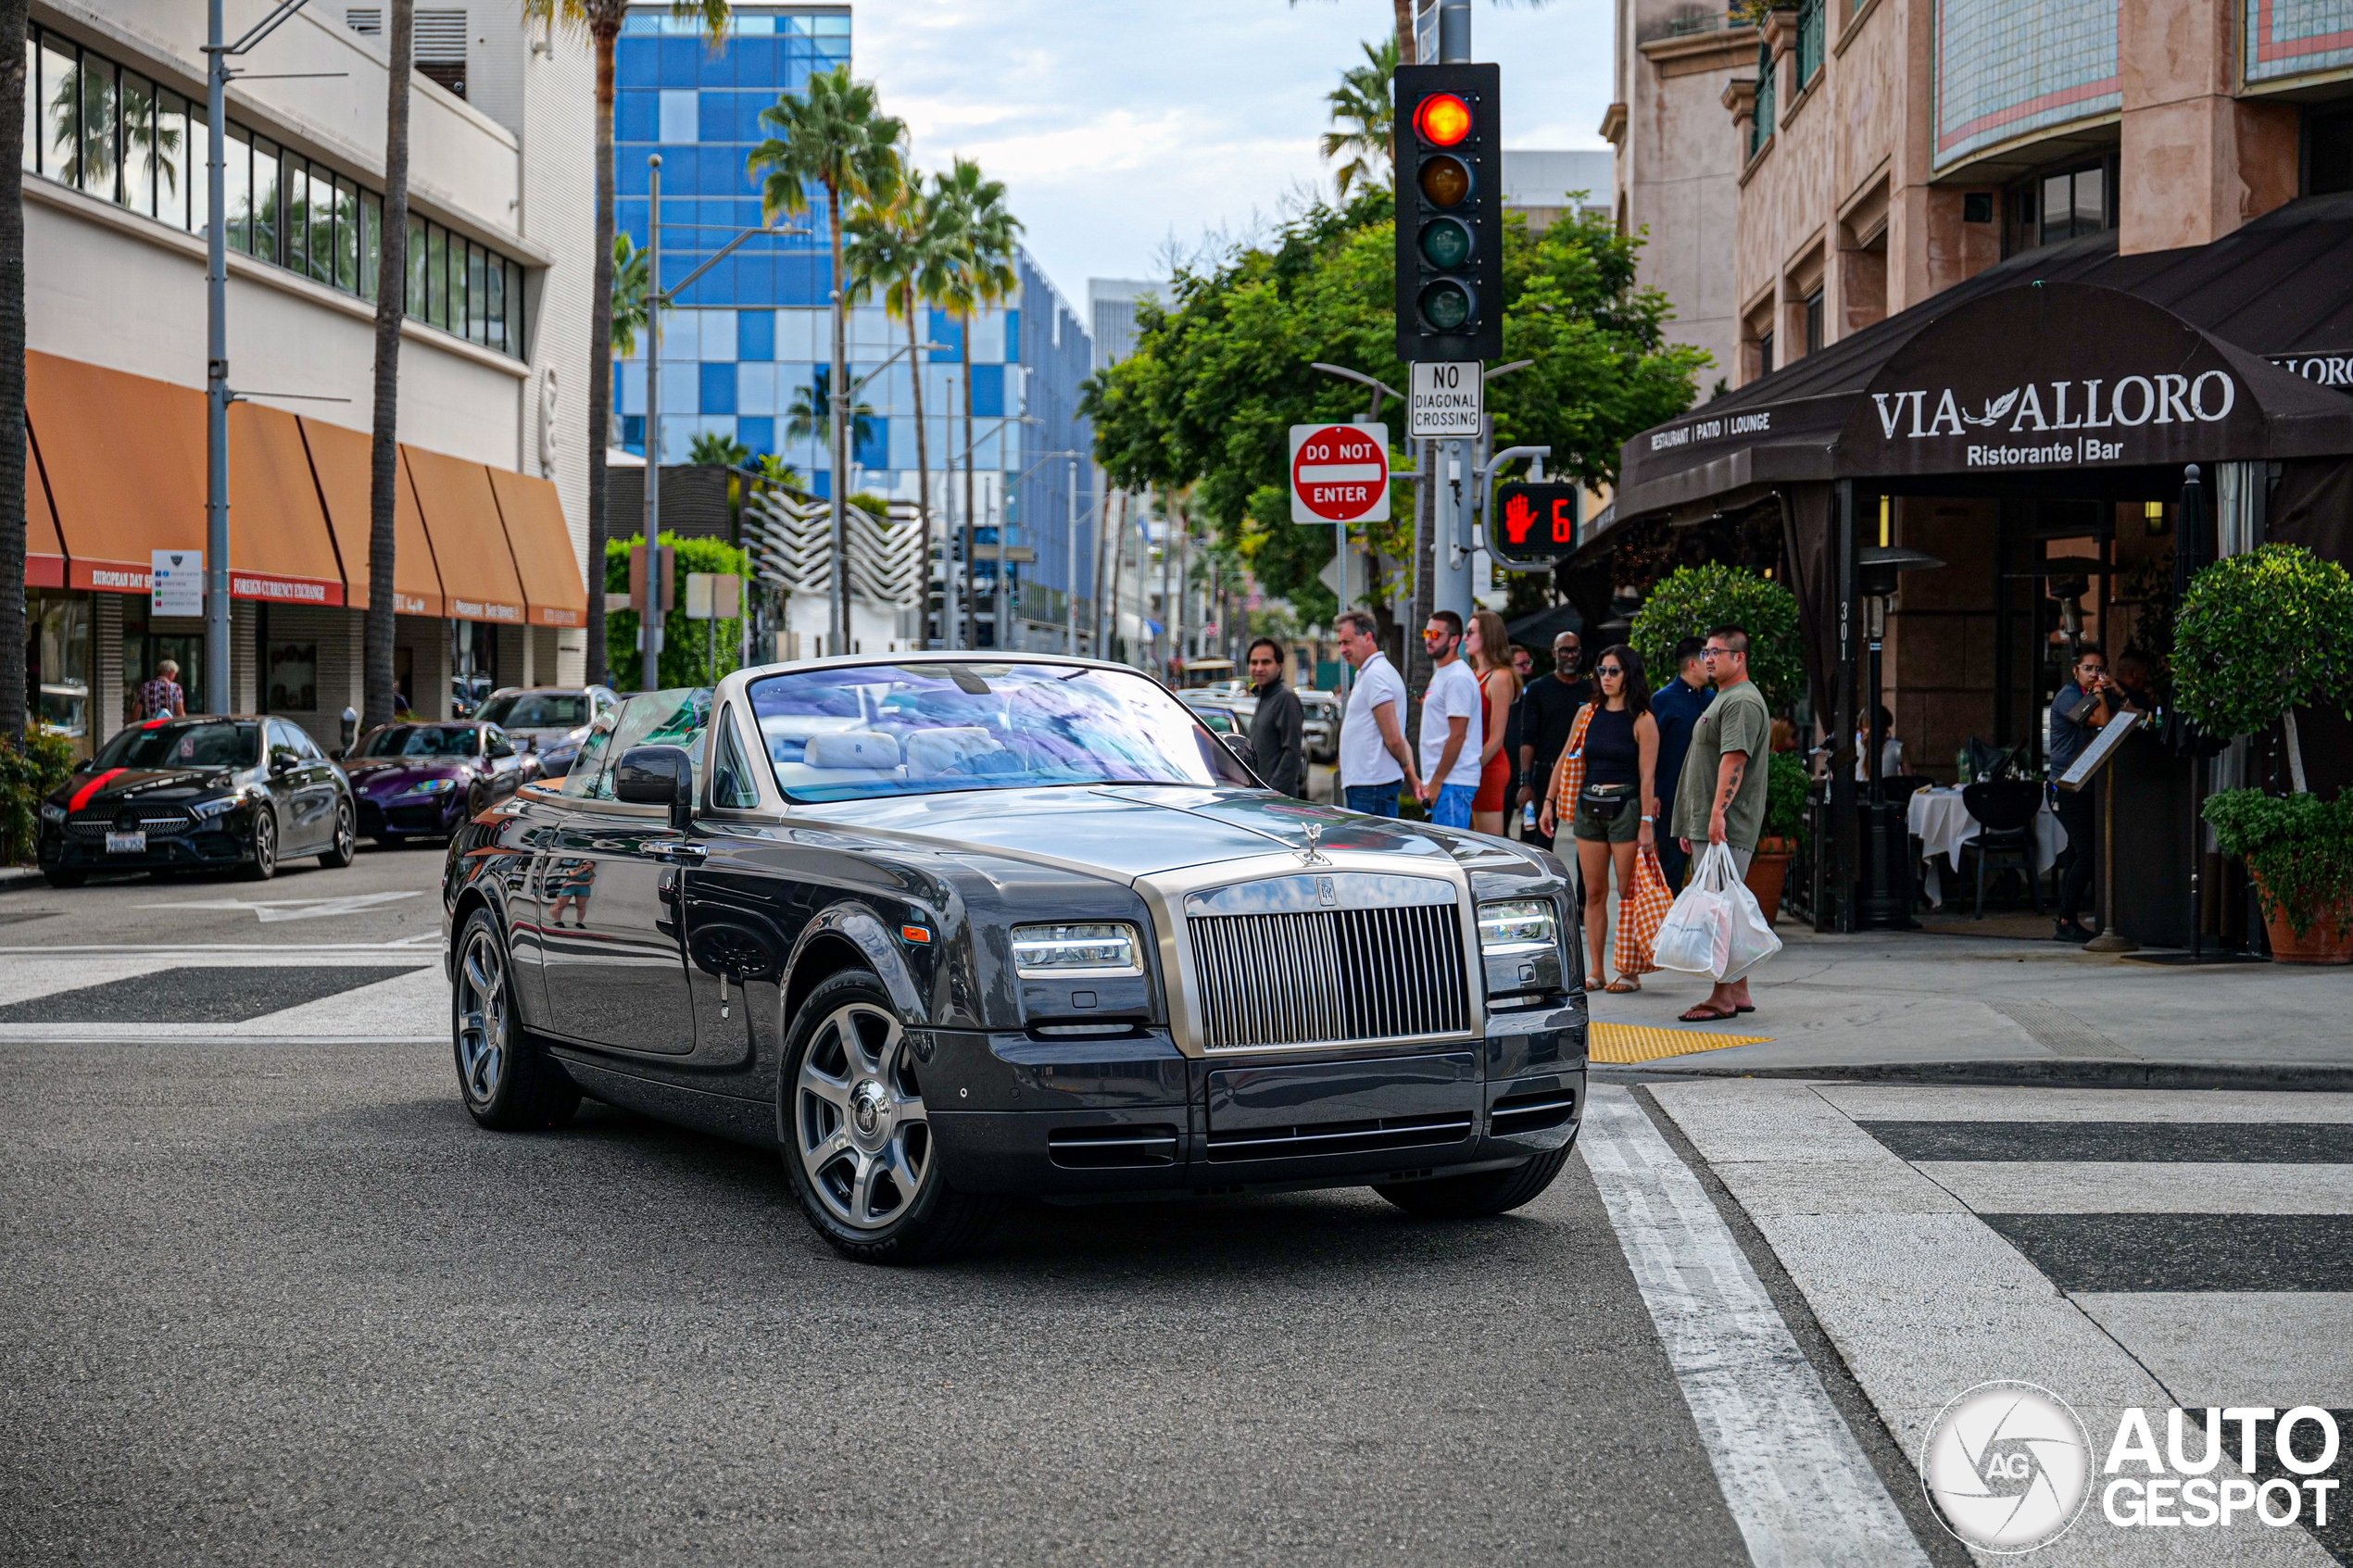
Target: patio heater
point(1886, 901)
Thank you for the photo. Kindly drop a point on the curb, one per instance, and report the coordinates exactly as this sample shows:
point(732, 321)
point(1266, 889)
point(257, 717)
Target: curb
point(2066, 1073)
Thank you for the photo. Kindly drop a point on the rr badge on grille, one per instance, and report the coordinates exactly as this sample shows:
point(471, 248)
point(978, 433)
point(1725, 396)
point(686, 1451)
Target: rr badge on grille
point(1326, 894)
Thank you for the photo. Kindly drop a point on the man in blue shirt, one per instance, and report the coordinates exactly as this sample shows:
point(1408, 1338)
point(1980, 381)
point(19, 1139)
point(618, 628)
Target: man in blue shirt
point(2080, 711)
point(1677, 707)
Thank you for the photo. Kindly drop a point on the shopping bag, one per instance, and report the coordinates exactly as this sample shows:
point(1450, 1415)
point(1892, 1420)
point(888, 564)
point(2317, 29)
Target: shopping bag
point(1641, 911)
point(1750, 940)
point(1695, 934)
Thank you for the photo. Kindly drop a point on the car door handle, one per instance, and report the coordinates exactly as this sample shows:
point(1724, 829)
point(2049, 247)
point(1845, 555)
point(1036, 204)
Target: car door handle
point(691, 853)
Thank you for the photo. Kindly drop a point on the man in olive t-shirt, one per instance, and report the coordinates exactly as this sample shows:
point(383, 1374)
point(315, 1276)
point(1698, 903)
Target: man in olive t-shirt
point(1720, 798)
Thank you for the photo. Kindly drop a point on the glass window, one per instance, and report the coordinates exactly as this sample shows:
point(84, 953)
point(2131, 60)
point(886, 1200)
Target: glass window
point(2091, 200)
point(418, 301)
point(294, 187)
point(514, 309)
point(588, 768)
point(420, 740)
point(199, 743)
point(138, 95)
point(61, 654)
point(371, 242)
point(32, 100)
point(101, 134)
point(319, 249)
point(346, 235)
point(236, 188)
point(478, 294)
point(537, 711)
point(169, 154)
point(438, 275)
point(282, 742)
point(264, 222)
point(677, 717)
point(733, 784)
point(61, 110)
point(495, 306)
point(196, 157)
point(293, 679)
point(854, 733)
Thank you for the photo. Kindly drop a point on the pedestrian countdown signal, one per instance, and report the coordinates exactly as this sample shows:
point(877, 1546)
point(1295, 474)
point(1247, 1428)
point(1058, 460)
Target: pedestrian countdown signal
point(1533, 525)
point(1450, 213)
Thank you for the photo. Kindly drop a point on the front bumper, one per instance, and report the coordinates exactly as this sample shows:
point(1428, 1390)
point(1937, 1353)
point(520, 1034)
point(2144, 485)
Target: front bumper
point(228, 845)
point(1133, 1116)
point(431, 816)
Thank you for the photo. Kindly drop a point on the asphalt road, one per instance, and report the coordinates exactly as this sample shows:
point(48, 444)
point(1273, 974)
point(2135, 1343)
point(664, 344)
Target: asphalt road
point(287, 1303)
point(384, 896)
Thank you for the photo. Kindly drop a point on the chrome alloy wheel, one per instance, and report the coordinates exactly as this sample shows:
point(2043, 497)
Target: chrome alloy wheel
point(481, 1019)
point(859, 1123)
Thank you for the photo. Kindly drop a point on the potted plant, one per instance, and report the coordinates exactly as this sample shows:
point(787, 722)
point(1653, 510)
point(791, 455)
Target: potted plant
point(2257, 636)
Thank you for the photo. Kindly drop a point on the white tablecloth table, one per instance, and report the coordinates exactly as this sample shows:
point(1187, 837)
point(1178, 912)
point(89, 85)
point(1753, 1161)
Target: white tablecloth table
point(1941, 822)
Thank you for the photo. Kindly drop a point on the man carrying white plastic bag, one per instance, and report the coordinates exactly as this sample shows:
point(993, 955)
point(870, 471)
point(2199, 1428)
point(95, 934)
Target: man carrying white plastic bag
point(1720, 800)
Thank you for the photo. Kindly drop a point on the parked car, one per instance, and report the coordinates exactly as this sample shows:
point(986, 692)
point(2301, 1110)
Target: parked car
point(549, 721)
point(422, 780)
point(195, 793)
point(947, 929)
point(466, 692)
point(1320, 729)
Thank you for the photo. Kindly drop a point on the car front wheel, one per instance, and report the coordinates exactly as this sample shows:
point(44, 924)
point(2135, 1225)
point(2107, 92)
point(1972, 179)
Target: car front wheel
point(1471, 1198)
point(857, 1135)
point(264, 864)
point(346, 842)
point(509, 1082)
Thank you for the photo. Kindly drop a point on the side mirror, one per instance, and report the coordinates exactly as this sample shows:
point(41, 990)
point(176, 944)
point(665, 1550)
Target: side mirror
point(657, 775)
point(85, 765)
point(1239, 745)
point(281, 762)
point(338, 754)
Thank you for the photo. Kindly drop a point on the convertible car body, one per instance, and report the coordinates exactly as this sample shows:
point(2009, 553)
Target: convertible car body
point(948, 928)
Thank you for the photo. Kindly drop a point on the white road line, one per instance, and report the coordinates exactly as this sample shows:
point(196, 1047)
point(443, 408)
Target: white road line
point(269, 910)
point(1796, 1480)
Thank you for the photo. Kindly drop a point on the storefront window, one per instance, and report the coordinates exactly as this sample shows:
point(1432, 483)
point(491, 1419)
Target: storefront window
point(293, 677)
point(61, 660)
point(93, 125)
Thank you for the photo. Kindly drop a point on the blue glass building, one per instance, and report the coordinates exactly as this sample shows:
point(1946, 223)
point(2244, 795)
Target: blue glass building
point(745, 352)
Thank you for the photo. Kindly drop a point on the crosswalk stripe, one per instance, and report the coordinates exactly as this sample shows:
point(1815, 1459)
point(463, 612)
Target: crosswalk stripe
point(1791, 1473)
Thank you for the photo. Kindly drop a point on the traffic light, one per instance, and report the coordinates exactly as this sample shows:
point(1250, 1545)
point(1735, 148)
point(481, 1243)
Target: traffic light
point(1450, 212)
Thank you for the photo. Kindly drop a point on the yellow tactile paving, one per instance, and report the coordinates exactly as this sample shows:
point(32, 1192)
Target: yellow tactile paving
point(1639, 1042)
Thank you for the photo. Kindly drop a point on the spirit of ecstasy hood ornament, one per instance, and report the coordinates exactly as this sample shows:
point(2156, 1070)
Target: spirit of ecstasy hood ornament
point(1313, 854)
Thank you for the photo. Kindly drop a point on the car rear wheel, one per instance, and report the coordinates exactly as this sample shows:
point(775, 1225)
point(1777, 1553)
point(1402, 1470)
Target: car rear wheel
point(858, 1138)
point(509, 1082)
point(264, 864)
point(347, 841)
point(1471, 1198)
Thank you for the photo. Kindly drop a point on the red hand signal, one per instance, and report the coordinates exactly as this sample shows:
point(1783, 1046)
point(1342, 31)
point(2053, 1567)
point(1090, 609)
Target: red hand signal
point(1519, 518)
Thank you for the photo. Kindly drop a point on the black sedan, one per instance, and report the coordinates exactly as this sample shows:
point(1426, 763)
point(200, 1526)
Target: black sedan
point(419, 780)
point(949, 929)
point(198, 793)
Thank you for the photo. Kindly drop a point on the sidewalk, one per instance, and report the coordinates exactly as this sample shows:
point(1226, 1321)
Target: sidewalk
point(1906, 1003)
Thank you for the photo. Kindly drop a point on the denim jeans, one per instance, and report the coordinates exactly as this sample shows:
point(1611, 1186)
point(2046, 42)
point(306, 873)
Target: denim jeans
point(1372, 800)
point(1453, 807)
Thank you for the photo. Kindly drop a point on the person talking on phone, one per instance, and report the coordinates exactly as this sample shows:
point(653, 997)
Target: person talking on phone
point(2083, 708)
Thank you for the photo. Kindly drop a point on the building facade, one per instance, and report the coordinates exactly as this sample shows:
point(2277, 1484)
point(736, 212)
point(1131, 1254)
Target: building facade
point(494, 354)
point(746, 354)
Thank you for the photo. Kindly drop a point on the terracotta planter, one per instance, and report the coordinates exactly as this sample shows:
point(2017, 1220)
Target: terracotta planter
point(1767, 870)
point(2330, 939)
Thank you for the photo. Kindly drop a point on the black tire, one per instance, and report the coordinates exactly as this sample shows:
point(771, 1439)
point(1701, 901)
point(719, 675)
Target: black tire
point(1475, 1197)
point(339, 853)
point(63, 877)
point(936, 1221)
point(509, 1084)
point(264, 864)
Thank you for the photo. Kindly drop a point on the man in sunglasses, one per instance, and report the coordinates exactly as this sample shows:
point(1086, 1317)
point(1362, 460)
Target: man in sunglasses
point(1453, 724)
point(1720, 798)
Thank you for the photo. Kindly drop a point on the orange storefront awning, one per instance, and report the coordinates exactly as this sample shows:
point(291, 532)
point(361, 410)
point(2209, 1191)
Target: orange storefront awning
point(279, 548)
point(340, 458)
point(478, 577)
point(534, 513)
point(124, 457)
point(44, 552)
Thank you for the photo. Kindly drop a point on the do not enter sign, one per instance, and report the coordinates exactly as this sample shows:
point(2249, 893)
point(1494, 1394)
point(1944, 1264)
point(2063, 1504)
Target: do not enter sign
point(1340, 473)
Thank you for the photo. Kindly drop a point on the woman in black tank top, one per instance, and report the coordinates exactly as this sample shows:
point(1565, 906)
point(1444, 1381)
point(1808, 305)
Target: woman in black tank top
point(1622, 759)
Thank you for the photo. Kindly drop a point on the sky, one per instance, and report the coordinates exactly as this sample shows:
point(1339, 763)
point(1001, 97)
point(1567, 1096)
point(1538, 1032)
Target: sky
point(1119, 126)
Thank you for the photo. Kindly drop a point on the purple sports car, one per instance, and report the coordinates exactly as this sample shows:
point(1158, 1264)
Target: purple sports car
point(424, 780)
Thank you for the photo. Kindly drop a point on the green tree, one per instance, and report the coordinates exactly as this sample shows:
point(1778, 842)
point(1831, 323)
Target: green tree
point(2261, 635)
point(1222, 370)
point(980, 236)
point(631, 273)
point(900, 246)
point(601, 19)
point(834, 135)
point(1363, 106)
point(694, 653)
point(718, 449)
point(1695, 599)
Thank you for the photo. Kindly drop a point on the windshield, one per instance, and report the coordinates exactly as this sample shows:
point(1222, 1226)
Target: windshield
point(218, 743)
point(420, 740)
point(537, 711)
point(883, 729)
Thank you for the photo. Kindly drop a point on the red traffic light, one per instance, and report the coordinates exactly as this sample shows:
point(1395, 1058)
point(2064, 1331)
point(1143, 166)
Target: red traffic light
point(1442, 119)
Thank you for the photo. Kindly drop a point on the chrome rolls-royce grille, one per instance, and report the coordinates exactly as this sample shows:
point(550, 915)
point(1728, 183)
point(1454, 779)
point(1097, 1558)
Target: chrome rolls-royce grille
point(1382, 962)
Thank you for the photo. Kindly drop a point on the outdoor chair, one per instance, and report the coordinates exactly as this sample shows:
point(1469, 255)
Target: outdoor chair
point(2005, 810)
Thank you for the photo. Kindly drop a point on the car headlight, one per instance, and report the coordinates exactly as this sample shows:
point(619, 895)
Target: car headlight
point(206, 810)
point(1517, 925)
point(433, 786)
point(1058, 952)
point(52, 812)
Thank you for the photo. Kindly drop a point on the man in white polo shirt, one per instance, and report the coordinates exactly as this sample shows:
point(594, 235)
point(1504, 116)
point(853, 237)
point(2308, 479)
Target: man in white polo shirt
point(1374, 758)
point(1453, 726)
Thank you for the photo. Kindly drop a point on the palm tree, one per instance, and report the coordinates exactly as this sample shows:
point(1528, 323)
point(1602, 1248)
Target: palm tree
point(834, 134)
point(1363, 104)
point(12, 451)
point(720, 450)
point(811, 415)
point(632, 274)
point(383, 455)
point(981, 236)
point(601, 19)
point(898, 247)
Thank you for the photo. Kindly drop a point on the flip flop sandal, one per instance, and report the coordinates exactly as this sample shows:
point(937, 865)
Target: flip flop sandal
point(1706, 1014)
point(1739, 1010)
point(1622, 986)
